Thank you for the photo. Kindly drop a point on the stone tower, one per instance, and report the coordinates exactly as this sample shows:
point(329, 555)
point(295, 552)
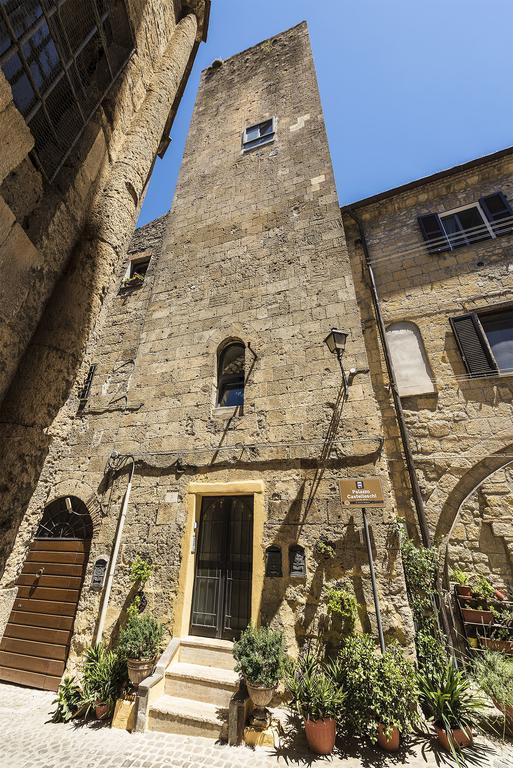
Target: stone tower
point(213, 379)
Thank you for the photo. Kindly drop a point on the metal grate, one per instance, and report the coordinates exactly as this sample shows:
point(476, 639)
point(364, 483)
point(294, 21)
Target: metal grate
point(61, 57)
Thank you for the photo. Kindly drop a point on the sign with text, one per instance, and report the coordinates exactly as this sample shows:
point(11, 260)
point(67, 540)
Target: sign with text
point(362, 492)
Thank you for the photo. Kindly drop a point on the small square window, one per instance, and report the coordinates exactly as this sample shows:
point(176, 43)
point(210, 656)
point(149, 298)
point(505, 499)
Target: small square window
point(139, 267)
point(259, 134)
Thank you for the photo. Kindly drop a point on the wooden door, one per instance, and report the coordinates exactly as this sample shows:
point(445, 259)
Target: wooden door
point(36, 641)
point(221, 603)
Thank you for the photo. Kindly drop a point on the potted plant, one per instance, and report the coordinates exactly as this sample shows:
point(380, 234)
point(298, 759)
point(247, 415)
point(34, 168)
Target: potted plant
point(450, 702)
point(140, 572)
point(476, 608)
point(68, 701)
point(342, 604)
point(494, 674)
point(382, 691)
point(103, 677)
point(140, 642)
point(259, 655)
point(316, 697)
point(462, 580)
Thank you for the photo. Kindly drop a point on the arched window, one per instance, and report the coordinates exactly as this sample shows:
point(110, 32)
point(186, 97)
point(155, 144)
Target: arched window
point(411, 365)
point(230, 375)
point(65, 518)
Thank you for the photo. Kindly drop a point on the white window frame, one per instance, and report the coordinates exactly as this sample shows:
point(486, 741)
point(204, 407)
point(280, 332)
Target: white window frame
point(139, 259)
point(466, 208)
point(267, 139)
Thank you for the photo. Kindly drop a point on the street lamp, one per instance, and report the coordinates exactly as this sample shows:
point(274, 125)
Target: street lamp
point(336, 343)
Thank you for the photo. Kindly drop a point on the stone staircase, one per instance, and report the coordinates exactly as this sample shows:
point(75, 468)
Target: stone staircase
point(199, 683)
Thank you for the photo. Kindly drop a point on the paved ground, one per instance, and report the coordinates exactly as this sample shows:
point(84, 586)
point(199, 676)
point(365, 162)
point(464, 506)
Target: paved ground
point(28, 740)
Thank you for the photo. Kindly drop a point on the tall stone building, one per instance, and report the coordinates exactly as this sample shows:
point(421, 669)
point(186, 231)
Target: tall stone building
point(88, 91)
point(214, 426)
point(440, 250)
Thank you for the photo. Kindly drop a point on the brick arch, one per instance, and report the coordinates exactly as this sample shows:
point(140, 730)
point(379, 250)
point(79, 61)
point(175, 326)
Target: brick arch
point(466, 486)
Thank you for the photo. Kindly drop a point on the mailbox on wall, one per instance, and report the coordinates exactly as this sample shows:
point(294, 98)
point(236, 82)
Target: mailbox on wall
point(99, 573)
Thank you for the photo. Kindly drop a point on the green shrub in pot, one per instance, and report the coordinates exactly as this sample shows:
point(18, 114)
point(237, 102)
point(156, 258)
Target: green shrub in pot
point(259, 656)
point(103, 679)
point(315, 696)
point(493, 672)
point(140, 642)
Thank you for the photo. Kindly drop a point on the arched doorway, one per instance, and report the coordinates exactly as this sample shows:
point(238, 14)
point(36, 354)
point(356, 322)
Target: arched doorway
point(36, 641)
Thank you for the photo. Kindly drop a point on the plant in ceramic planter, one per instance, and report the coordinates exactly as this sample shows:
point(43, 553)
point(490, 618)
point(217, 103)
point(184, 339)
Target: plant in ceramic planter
point(140, 642)
point(493, 673)
point(325, 549)
point(316, 697)
point(453, 706)
point(259, 656)
point(140, 573)
point(103, 678)
point(382, 689)
point(462, 580)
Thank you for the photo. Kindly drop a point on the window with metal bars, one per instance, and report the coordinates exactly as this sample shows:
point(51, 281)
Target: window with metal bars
point(61, 57)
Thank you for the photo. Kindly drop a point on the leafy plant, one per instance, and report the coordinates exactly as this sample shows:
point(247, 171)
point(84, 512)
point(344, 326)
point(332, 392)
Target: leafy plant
point(325, 549)
point(69, 697)
point(341, 602)
point(450, 702)
point(355, 671)
point(141, 638)
point(313, 689)
point(460, 577)
point(103, 676)
point(260, 656)
point(494, 674)
point(420, 568)
point(140, 570)
point(482, 589)
point(382, 688)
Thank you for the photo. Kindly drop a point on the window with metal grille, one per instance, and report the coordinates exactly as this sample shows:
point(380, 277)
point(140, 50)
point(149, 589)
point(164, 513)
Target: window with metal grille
point(230, 375)
point(60, 58)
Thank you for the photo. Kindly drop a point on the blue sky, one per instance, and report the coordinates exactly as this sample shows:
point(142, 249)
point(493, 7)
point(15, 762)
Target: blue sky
point(408, 87)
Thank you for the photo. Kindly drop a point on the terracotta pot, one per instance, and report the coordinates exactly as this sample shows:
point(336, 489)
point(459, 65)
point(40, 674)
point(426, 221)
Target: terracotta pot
point(260, 696)
point(101, 710)
point(463, 590)
point(460, 736)
point(393, 743)
point(139, 669)
point(320, 735)
point(476, 616)
point(503, 646)
point(500, 595)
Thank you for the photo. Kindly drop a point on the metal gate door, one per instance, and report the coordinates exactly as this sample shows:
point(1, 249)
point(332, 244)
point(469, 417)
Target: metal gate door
point(221, 603)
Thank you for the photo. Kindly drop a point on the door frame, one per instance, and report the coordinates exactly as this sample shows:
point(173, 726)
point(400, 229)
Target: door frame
point(195, 493)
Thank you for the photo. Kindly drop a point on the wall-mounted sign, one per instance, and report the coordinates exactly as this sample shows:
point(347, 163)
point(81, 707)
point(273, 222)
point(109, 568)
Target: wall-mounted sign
point(99, 572)
point(273, 561)
point(362, 492)
point(297, 561)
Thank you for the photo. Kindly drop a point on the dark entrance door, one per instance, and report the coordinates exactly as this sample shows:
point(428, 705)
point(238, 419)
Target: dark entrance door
point(221, 602)
point(35, 645)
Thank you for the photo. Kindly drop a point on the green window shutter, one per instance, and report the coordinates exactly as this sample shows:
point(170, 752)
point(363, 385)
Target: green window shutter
point(473, 345)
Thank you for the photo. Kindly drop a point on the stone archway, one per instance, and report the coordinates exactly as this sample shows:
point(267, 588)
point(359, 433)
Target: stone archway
point(36, 640)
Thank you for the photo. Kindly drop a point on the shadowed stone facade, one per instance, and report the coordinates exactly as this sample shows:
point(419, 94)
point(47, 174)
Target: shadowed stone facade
point(252, 250)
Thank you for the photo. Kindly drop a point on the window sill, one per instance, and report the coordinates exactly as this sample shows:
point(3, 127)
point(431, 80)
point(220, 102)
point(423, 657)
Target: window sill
point(227, 412)
point(250, 148)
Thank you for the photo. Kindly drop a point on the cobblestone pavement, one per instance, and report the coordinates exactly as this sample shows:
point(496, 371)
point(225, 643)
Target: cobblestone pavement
point(28, 740)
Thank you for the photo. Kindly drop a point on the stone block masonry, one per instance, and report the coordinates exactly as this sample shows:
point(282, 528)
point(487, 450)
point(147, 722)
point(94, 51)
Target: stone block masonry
point(252, 250)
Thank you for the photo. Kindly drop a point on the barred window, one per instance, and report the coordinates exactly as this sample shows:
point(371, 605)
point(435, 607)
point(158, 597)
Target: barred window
point(60, 58)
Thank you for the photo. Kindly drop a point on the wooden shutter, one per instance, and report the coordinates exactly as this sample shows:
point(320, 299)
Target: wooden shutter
point(499, 213)
point(434, 233)
point(473, 345)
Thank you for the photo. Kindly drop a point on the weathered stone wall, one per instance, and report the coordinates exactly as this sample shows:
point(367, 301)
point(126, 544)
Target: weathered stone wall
point(254, 249)
point(463, 431)
point(75, 236)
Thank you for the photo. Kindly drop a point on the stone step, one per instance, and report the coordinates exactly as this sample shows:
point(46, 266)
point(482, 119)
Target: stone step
point(172, 714)
point(201, 683)
point(206, 651)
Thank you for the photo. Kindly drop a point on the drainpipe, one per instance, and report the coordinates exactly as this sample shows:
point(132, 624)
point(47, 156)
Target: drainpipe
point(115, 552)
point(417, 496)
point(405, 439)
